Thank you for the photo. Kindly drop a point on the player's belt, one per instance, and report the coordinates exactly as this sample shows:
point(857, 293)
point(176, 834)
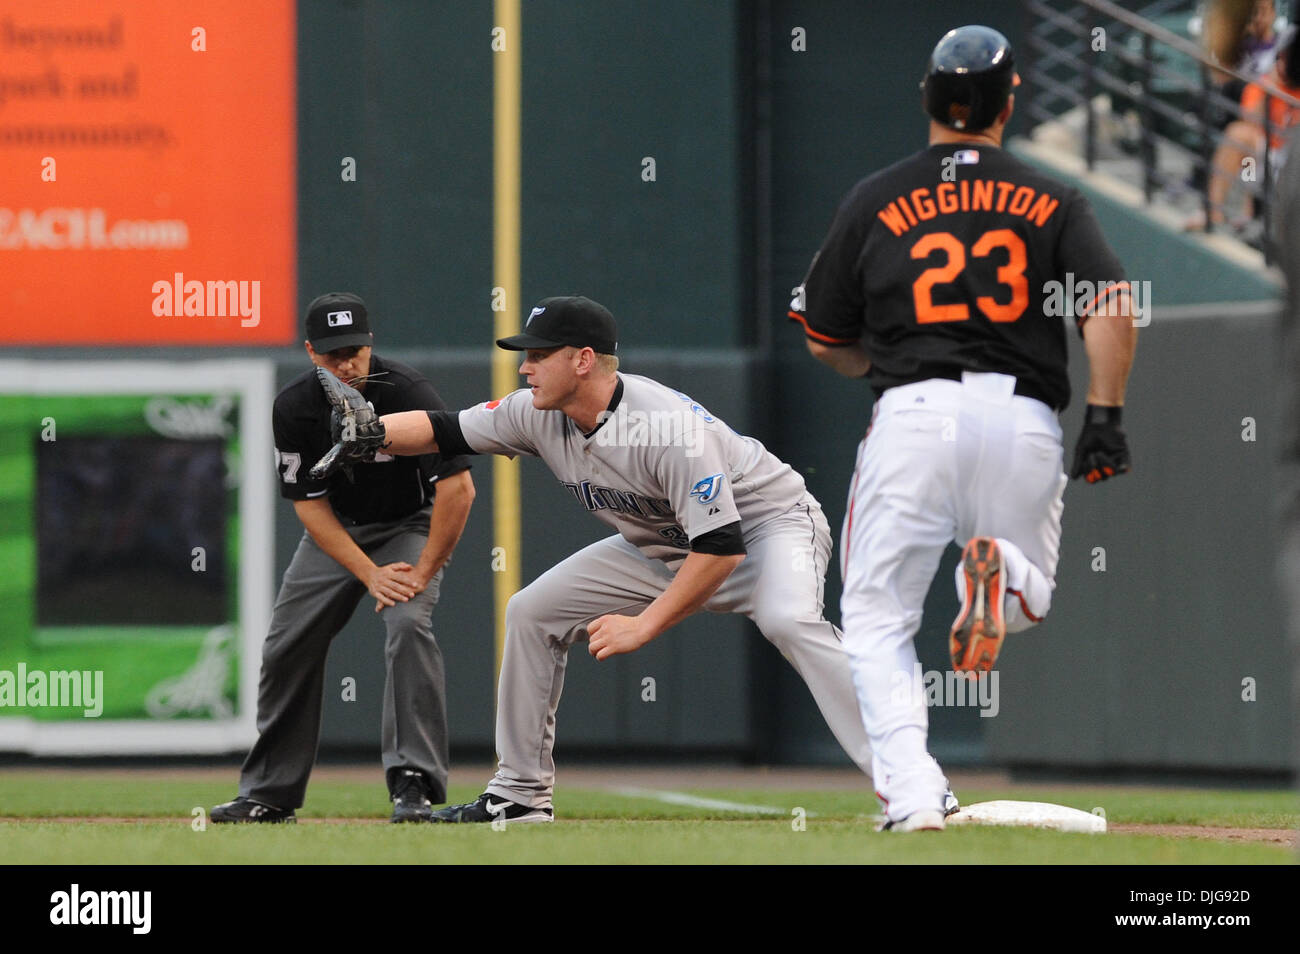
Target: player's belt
point(1023, 388)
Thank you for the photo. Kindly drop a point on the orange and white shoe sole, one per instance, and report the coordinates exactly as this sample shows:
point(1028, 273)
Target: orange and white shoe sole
point(979, 629)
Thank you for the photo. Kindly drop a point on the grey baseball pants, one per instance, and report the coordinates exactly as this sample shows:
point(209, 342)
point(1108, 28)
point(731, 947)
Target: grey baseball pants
point(778, 586)
point(316, 599)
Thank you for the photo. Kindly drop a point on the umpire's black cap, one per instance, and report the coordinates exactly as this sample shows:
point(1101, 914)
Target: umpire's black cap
point(338, 320)
point(566, 320)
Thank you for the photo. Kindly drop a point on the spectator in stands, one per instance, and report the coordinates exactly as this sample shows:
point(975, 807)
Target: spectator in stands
point(1240, 35)
point(1244, 138)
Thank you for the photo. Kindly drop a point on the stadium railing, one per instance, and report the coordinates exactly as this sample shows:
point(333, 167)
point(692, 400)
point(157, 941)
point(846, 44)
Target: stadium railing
point(1168, 80)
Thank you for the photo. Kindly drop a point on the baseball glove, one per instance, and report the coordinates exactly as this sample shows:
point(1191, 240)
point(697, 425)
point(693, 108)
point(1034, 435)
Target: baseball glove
point(355, 428)
point(1102, 450)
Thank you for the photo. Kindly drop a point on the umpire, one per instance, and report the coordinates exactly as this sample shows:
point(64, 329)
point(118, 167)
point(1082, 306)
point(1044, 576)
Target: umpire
point(381, 530)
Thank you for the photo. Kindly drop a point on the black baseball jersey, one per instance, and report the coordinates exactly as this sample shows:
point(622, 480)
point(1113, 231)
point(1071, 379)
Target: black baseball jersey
point(960, 258)
point(387, 488)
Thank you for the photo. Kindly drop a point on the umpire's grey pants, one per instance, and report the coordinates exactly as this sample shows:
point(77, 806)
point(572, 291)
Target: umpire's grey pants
point(316, 600)
point(778, 586)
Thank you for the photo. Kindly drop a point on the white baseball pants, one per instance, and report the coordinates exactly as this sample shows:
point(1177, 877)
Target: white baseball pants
point(943, 461)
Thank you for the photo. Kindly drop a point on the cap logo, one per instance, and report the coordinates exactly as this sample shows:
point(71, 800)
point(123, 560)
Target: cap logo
point(535, 312)
point(336, 319)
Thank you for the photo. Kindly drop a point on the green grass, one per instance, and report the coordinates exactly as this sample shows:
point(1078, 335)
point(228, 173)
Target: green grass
point(597, 826)
point(601, 842)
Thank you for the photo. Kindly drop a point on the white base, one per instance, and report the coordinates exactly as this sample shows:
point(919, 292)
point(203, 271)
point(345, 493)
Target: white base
point(1029, 815)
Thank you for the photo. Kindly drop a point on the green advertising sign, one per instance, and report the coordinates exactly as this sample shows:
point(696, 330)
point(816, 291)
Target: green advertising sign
point(135, 541)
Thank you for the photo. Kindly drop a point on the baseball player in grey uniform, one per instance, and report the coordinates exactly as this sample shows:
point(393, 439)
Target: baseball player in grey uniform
point(705, 519)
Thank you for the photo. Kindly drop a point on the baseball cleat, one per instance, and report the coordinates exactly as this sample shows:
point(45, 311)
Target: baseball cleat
point(411, 799)
point(950, 805)
point(243, 809)
point(979, 628)
point(929, 819)
point(490, 808)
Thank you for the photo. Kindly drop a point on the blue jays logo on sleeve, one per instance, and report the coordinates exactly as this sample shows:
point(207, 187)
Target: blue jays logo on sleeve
point(707, 489)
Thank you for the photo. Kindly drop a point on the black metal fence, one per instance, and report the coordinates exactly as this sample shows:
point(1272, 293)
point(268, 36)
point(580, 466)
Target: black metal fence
point(1077, 49)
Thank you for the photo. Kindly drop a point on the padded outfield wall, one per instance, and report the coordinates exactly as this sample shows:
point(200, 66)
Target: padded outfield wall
point(753, 143)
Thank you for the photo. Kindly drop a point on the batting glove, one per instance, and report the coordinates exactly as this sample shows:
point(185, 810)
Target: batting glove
point(1102, 450)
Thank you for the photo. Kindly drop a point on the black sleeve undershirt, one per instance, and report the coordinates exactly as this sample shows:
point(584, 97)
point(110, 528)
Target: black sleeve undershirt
point(724, 541)
point(447, 432)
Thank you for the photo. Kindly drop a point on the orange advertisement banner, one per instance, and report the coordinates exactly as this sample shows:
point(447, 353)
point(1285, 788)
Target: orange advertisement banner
point(147, 172)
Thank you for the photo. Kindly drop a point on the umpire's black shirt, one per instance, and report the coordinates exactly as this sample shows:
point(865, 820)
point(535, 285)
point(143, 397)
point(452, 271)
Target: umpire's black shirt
point(388, 488)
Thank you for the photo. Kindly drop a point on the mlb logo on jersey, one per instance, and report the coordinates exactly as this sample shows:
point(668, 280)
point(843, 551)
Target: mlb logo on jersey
point(707, 489)
point(966, 157)
point(337, 319)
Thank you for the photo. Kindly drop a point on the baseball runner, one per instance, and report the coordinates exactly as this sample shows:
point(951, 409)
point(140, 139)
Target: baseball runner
point(705, 519)
point(387, 528)
point(936, 284)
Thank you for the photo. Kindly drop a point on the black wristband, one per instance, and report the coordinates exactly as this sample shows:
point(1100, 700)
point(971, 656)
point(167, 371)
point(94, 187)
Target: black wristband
point(1097, 414)
point(447, 432)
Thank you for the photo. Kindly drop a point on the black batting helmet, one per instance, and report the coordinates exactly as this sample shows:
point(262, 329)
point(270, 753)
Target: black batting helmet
point(968, 78)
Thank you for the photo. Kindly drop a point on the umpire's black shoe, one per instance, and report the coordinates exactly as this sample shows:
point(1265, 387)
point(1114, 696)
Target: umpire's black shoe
point(490, 808)
point(411, 798)
point(247, 810)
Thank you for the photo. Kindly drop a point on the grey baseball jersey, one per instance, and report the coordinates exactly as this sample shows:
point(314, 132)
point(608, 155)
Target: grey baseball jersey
point(668, 476)
point(659, 469)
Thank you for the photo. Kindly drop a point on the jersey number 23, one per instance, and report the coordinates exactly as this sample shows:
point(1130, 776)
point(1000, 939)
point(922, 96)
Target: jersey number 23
point(1012, 275)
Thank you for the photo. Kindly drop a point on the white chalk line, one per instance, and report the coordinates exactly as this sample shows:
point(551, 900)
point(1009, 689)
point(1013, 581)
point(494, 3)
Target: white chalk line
point(696, 801)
